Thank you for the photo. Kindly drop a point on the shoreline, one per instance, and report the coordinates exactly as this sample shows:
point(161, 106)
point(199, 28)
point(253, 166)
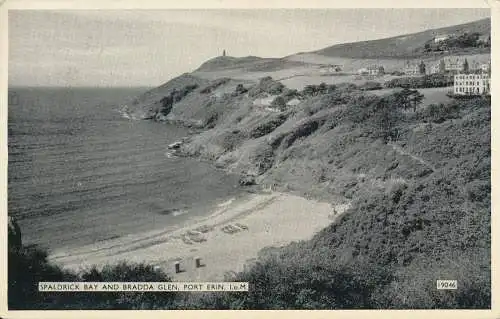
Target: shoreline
point(225, 240)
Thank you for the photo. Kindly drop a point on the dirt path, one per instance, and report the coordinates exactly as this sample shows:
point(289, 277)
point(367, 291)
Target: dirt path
point(401, 151)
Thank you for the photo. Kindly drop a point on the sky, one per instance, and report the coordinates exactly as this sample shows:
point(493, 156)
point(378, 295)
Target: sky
point(116, 48)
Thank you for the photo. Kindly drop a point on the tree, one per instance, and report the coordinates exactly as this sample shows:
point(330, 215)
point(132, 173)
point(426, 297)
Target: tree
point(279, 103)
point(407, 98)
point(385, 119)
point(401, 98)
point(416, 99)
point(240, 89)
point(442, 66)
point(166, 104)
point(466, 66)
point(421, 67)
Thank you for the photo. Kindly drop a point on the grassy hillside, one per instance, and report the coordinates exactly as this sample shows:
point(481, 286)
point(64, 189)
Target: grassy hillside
point(416, 184)
point(250, 64)
point(404, 46)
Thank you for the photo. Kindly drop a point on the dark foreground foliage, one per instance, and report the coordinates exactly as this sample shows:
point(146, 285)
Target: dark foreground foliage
point(29, 266)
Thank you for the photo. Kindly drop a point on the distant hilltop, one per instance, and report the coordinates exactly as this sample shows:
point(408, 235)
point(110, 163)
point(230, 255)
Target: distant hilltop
point(471, 39)
point(409, 45)
point(249, 63)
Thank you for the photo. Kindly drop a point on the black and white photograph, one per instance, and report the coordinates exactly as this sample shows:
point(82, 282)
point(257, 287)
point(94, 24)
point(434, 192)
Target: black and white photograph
point(249, 159)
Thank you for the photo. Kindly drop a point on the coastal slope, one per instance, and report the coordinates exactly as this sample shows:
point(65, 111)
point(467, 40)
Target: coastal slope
point(415, 172)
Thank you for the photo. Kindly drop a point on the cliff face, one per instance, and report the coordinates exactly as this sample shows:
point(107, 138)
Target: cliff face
point(14, 234)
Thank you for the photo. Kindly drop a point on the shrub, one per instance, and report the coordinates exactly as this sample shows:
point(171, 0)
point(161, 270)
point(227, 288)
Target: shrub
point(315, 90)
point(279, 103)
point(266, 127)
point(370, 85)
point(267, 85)
point(426, 81)
point(240, 89)
point(215, 84)
point(28, 266)
point(438, 113)
point(126, 272)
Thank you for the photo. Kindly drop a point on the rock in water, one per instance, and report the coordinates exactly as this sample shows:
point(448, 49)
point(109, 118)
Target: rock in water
point(14, 239)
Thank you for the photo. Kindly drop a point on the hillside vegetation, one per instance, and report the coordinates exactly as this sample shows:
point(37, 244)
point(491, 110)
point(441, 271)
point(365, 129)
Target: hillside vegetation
point(417, 180)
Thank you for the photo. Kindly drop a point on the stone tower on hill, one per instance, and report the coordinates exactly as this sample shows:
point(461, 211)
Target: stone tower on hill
point(223, 52)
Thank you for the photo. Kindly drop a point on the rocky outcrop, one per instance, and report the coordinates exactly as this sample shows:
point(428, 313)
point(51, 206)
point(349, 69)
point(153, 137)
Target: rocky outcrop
point(14, 234)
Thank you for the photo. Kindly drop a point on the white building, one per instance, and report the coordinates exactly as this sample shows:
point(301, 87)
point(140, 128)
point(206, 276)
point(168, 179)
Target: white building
point(363, 71)
point(375, 70)
point(435, 68)
point(441, 38)
point(326, 69)
point(486, 67)
point(412, 69)
point(471, 84)
point(454, 64)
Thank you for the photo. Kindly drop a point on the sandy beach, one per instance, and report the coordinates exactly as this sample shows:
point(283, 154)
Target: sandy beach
point(225, 241)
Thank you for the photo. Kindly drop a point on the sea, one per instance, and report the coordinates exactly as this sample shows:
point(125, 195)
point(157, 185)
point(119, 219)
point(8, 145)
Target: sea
point(79, 172)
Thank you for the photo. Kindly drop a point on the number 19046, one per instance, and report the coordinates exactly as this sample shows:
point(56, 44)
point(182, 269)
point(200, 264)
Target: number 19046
point(446, 284)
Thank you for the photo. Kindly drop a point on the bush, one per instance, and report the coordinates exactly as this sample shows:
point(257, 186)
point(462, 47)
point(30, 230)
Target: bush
point(126, 272)
point(290, 94)
point(267, 85)
point(266, 127)
point(28, 266)
point(370, 85)
point(215, 84)
point(438, 113)
point(291, 280)
point(240, 89)
point(379, 117)
point(279, 103)
point(426, 81)
point(315, 90)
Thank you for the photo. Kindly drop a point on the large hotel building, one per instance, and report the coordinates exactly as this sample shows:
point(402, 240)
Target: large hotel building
point(471, 84)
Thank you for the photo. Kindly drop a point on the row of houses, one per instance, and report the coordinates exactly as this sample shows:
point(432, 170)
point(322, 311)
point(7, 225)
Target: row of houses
point(447, 65)
point(452, 64)
point(468, 78)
